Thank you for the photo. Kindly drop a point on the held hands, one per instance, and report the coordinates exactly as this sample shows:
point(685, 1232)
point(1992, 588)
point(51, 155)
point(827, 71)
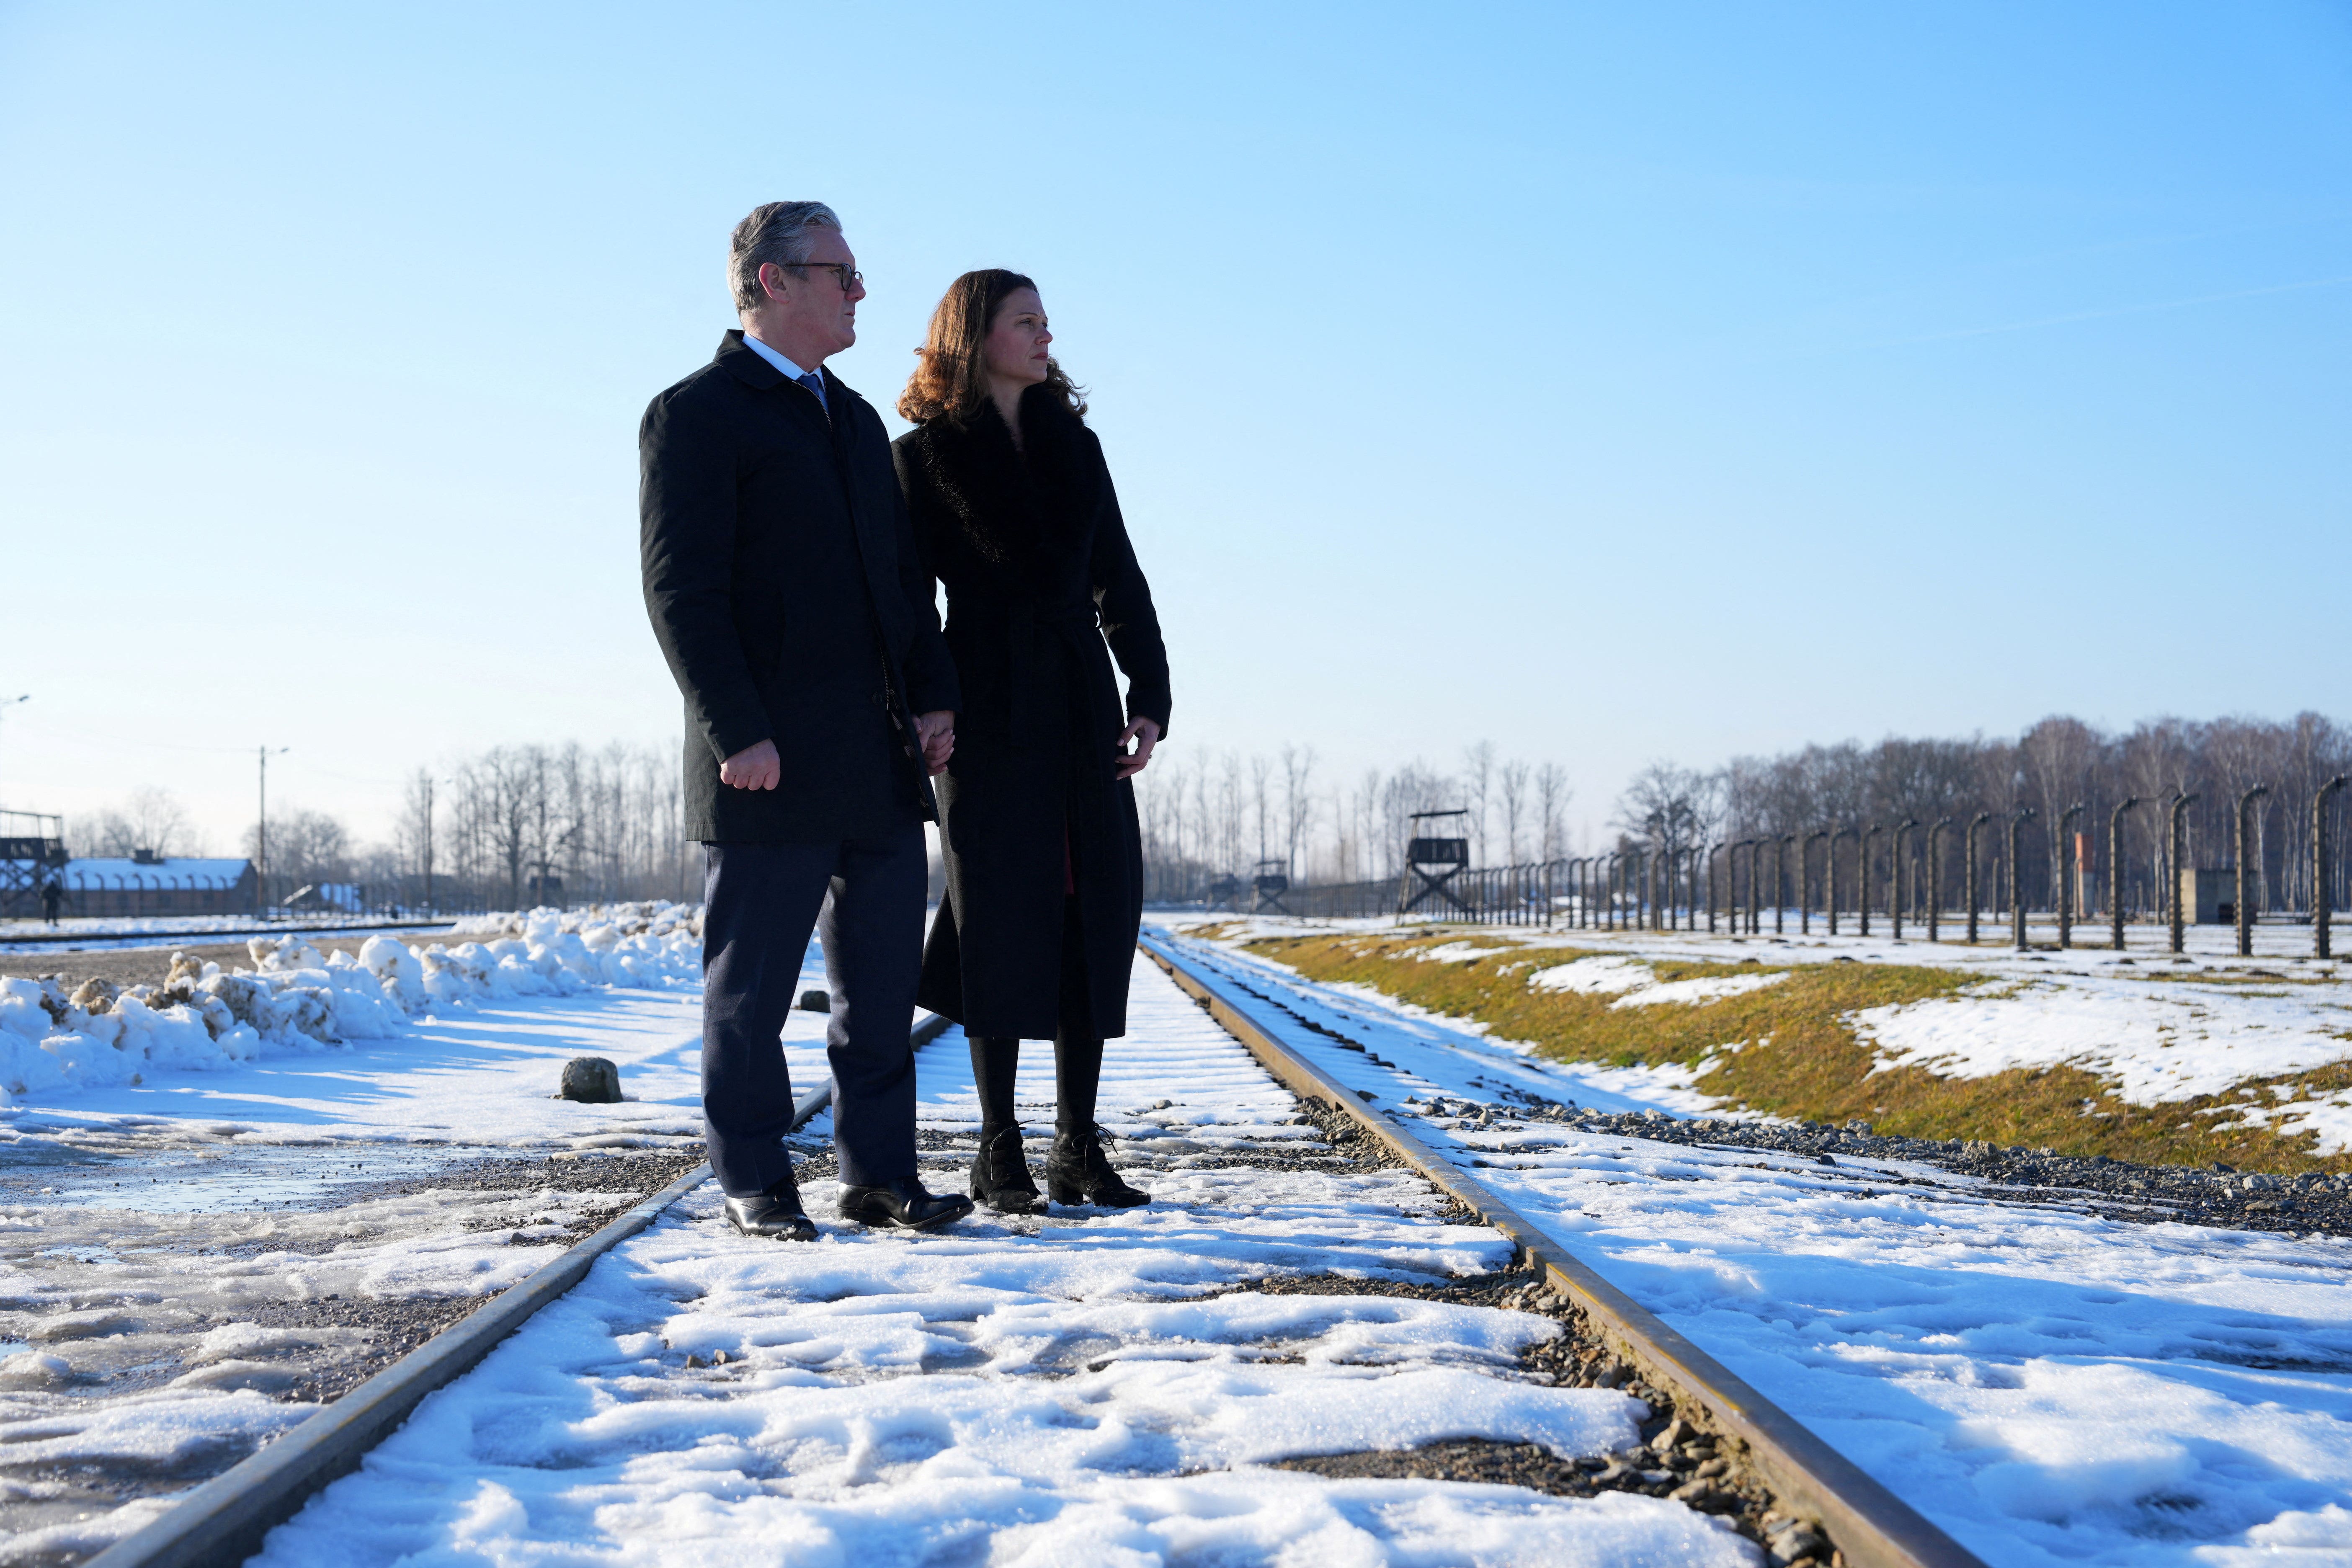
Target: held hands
point(937, 731)
point(759, 767)
point(753, 767)
point(1146, 735)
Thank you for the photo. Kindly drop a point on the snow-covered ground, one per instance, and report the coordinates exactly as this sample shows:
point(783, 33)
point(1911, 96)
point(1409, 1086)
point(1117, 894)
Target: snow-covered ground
point(2050, 1386)
point(2156, 1027)
point(1065, 1390)
point(55, 1045)
point(180, 1237)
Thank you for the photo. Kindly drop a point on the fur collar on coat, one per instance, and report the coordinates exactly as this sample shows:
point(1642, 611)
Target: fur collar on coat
point(1013, 502)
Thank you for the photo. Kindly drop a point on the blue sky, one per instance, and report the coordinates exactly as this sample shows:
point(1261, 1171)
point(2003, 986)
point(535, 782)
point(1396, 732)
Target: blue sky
point(1614, 383)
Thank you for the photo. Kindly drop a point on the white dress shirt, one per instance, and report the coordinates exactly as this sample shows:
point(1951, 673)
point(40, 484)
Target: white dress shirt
point(792, 371)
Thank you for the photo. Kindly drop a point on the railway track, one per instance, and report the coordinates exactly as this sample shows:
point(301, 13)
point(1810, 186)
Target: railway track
point(1762, 1467)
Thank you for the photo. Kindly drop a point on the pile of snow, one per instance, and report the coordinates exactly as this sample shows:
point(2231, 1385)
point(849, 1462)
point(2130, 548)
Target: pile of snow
point(202, 1016)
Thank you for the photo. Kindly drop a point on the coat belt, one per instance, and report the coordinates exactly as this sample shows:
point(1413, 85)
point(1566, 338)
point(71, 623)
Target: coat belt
point(1035, 630)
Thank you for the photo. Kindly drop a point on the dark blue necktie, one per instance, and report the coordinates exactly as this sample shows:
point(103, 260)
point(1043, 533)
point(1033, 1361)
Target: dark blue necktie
point(815, 382)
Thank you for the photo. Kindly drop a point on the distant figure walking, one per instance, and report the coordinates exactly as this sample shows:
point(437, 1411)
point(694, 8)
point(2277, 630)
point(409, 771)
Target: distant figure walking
point(53, 896)
point(788, 596)
point(1014, 507)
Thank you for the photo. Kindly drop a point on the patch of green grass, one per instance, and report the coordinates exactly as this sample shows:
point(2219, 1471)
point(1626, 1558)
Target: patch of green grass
point(1799, 1057)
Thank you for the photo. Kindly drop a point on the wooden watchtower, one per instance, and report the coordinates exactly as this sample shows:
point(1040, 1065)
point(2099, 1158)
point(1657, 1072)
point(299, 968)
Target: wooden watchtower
point(32, 850)
point(1432, 862)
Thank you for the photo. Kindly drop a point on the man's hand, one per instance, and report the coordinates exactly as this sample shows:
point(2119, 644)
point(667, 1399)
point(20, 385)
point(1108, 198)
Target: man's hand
point(1146, 735)
point(753, 767)
point(937, 731)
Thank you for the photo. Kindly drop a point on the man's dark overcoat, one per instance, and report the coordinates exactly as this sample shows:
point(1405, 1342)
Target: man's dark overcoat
point(786, 591)
point(1039, 574)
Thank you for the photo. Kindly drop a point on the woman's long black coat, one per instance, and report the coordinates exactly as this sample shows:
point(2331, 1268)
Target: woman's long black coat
point(1039, 574)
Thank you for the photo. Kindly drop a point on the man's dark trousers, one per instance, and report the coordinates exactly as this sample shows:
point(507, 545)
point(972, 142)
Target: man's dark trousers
point(760, 903)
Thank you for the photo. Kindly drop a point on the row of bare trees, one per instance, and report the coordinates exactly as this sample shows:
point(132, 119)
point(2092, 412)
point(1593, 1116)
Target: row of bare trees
point(1212, 819)
point(2055, 767)
point(516, 826)
point(510, 827)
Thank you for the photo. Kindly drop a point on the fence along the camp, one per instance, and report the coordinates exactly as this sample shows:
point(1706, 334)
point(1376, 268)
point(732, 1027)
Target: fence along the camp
point(1861, 871)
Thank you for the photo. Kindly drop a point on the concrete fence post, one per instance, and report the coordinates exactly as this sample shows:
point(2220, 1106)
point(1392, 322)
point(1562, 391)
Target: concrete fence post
point(2116, 869)
point(2176, 841)
point(1975, 891)
point(2067, 867)
point(1861, 873)
point(1935, 878)
point(1804, 899)
point(2018, 819)
point(2246, 882)
point(1756, 887)
point(2322, 904)
point(1828, 861)
point(1894, 875)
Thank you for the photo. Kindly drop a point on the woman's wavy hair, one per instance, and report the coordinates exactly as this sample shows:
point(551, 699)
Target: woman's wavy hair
point(950, 377)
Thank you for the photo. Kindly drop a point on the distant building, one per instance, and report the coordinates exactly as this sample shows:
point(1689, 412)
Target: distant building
point(2208, 897)
point(149, 884)
point(315, 898)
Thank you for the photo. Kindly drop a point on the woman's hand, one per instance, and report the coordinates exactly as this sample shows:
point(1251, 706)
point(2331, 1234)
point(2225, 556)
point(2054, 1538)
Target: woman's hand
point(1146, 735)
point(937, 731)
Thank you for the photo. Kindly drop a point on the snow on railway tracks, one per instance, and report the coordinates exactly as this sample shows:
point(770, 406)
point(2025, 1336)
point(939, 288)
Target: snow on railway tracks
point(1296, 1354)
point(1324, 1334)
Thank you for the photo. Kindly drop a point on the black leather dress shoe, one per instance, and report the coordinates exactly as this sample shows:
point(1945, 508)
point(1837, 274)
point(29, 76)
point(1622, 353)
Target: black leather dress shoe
point(776, 1213)
point(904, 1204)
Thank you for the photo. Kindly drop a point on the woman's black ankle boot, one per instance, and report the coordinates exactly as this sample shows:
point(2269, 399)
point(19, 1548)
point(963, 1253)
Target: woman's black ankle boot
point(1000, 1174)
point(1078, 1171)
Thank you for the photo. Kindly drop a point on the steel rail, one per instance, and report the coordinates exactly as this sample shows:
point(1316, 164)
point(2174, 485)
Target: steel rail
point(222, 1522)
point(1868, 1523)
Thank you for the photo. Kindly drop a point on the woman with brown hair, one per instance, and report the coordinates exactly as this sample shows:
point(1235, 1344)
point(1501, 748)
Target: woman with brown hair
point(1014, 513)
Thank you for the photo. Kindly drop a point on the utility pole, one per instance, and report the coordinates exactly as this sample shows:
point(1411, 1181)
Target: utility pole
point(261, 831)
point(427, 780)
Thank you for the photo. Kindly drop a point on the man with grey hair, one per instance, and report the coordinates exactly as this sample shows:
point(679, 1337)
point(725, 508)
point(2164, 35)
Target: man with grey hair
point(783, 580)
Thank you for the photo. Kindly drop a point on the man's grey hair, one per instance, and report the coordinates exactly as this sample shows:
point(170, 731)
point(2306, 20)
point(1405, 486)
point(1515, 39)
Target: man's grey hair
point(775, 232)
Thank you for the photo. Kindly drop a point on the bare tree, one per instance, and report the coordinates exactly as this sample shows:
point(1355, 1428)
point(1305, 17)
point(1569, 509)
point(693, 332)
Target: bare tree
point(1552, 796)
point(1478, 781)
point(1512, 781)
point(1297, 800)
point(149, 818)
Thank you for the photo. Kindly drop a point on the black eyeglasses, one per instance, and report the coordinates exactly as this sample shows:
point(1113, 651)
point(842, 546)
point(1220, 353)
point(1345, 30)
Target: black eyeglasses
point(847, 276)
